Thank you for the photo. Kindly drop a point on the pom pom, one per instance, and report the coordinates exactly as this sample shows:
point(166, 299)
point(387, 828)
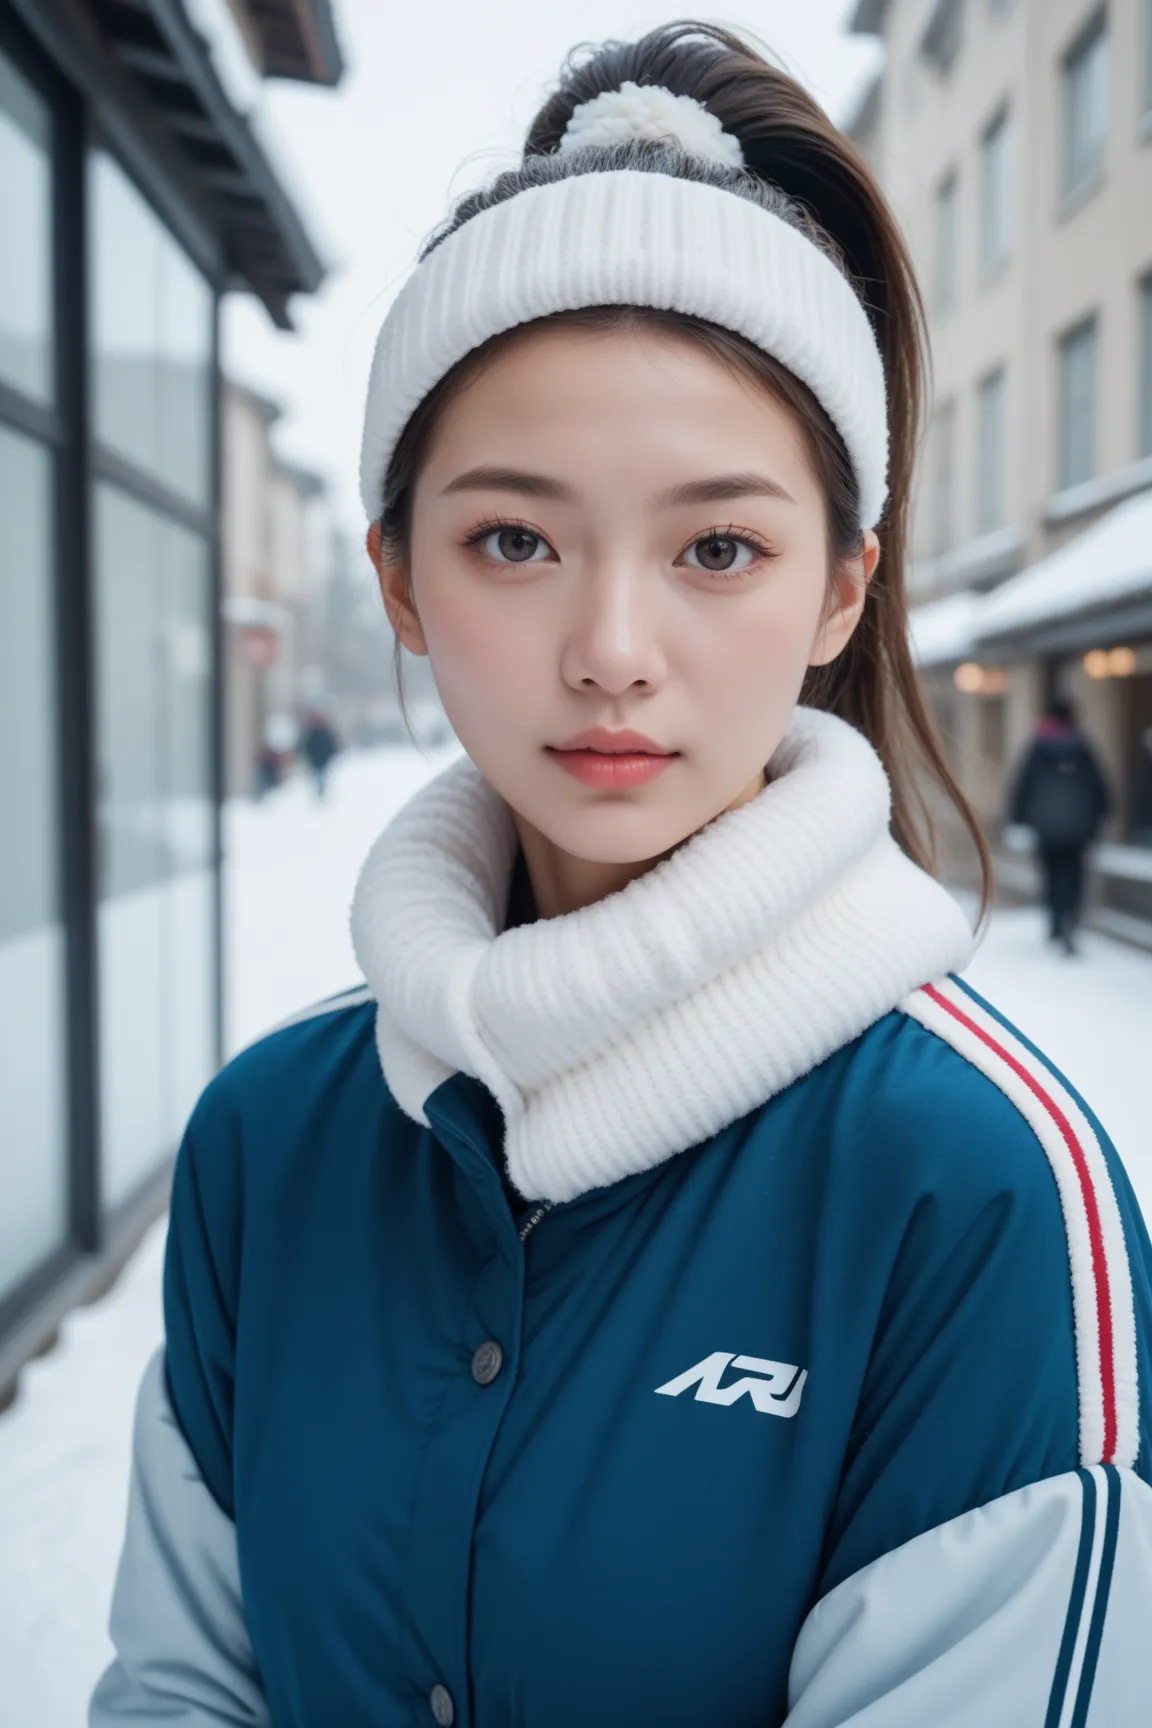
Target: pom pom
point(650, 112)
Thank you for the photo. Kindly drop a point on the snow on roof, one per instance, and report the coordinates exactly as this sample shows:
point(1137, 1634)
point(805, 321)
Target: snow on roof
point(1109, 562)
point(943, 631)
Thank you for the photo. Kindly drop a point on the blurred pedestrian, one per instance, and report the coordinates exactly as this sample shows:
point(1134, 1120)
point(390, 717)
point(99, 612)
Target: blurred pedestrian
point(1061, 794)
point(269, 769)
point(274, 758)
point(319, 745)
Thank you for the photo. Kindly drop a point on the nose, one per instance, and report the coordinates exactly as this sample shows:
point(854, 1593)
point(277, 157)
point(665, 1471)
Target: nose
point(613, 642)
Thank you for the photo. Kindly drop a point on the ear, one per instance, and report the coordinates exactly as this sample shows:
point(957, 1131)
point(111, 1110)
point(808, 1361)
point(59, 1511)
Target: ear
point(850, 584)
point(396, 592)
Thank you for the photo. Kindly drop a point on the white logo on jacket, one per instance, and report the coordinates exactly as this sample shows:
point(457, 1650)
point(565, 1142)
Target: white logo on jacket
point(776, 1391)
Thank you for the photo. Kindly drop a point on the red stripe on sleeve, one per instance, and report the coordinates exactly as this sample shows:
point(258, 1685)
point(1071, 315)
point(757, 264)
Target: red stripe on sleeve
point(1091, 1209)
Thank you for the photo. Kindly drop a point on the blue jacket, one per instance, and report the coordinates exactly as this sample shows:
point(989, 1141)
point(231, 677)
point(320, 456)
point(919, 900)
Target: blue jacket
point(417, 1452)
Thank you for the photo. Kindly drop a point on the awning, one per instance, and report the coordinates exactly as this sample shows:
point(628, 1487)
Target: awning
point(1099, 581)
point(942, 633)
point(250, 613)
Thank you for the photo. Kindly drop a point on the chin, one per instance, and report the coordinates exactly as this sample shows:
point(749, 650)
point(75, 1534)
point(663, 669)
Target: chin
point(617, 834)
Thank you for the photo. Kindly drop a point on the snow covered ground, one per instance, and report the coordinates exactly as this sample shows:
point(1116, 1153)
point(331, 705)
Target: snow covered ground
point(292, 864)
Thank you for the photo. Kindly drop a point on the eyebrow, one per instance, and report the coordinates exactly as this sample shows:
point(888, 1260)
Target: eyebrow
point(722, 486)
point(714, 490)
point(511, 480)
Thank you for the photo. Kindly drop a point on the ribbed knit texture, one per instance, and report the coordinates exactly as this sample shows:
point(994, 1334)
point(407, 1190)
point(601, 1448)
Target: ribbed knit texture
point(627, 238)
point(620, 1034)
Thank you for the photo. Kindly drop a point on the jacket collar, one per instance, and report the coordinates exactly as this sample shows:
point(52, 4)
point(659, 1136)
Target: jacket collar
point(632, 1029)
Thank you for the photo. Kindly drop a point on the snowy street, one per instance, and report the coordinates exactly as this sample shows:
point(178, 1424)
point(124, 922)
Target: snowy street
point(64, 1445)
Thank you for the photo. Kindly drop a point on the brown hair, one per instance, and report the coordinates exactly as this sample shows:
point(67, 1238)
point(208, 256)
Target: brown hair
point(798, 166)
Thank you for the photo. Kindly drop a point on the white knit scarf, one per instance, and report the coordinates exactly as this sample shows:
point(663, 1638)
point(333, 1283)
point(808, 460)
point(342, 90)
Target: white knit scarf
point(617, 1035)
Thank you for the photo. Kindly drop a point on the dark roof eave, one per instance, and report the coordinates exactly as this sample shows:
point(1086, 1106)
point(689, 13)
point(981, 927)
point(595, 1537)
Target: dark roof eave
point(1071, 631)
point(305, 265)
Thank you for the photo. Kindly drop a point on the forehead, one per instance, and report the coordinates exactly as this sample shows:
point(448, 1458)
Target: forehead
point(631, 394)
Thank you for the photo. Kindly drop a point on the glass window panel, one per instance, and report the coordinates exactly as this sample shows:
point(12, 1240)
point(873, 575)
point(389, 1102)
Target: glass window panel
point(130, 818)
point(125, 335)
point(130, 812)
point(947, 242)
point(26, 274)
point(1086, 109)
point(190, 830)
point(33, 1127)
point(185, 373)
point(157, 957)
point(991, 452)
point(152, 337)
point(1078, 405)
point(995, 193)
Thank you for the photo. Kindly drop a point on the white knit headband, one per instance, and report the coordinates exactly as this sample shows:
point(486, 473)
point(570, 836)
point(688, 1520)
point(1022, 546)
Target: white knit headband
point(629, 238)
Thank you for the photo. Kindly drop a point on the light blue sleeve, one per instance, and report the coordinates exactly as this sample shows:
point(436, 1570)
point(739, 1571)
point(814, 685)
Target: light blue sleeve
point(1032, 1612)
point(183, 1654)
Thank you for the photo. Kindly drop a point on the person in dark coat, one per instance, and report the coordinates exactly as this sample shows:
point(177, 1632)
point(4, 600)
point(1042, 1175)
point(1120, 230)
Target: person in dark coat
point(1061, 794)
point(319, 745)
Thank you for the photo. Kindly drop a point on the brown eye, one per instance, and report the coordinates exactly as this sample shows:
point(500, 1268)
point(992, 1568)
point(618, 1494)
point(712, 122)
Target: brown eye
point(515, 546)
point(717, 552)
point(721, 554)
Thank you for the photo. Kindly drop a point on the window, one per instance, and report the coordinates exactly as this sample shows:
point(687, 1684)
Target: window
point(25, 281)
point(1086, 108)
point(1077, 407)
point(940, 41)
point(152, 335)
point(991, 451)
point(1144, 376)
point(944, 479)
point(152, 356)
point(995, 192)
point(947, 250)
point(155, 826)
point(33, 1160)
point(34, 1215)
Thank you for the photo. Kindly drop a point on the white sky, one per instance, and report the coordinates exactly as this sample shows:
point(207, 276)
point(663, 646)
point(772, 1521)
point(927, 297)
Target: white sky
point(437, 97)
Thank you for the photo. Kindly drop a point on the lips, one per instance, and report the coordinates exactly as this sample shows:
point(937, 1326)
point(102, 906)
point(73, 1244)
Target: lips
point(608, 743)
point(612, 761)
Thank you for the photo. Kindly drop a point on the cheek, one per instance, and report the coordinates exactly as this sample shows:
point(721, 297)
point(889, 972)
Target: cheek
point(483, 645)
point(756, 643)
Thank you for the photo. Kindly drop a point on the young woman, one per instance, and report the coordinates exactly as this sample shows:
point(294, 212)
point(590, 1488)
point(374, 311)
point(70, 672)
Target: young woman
point(665, 1294)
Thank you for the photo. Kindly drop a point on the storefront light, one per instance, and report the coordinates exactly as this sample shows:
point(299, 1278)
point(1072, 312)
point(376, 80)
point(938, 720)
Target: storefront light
point(1110, 662)
point(976, 680)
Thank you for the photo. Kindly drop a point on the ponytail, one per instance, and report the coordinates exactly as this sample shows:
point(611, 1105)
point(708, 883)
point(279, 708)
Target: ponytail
point(790, 144)
point(799, 166)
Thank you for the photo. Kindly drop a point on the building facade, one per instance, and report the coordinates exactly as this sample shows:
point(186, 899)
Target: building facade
point(280, 549)
point(134, 195)
point(1014, 138)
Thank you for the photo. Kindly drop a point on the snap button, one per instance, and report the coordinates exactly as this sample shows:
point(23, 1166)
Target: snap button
point(487, 1362)
point(443, 1709)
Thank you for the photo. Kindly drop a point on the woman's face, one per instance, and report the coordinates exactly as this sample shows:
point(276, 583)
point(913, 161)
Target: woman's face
point(615, 534)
